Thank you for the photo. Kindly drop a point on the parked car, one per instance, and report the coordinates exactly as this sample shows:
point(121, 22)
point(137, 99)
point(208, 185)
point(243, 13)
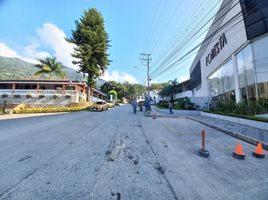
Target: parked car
point(110, 104)
point(99, 106)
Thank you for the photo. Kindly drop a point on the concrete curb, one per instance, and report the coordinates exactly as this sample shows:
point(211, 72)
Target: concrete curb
point(158, 115)
point(240, 136)
point(162, 116)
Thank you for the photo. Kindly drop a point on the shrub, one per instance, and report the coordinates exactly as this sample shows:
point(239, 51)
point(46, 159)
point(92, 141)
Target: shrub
point(250, 108)
point(67, 96)
point(49, 110)
point(4, 95)
point(184, 103)
point(41, 96)
point(17, 96)
point(55, 96)
point(162, 104)
point(80, 104)
point(28, 96)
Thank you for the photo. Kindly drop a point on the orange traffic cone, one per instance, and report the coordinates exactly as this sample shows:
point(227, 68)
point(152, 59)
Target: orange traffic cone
point(238, 152)
point(258, 153)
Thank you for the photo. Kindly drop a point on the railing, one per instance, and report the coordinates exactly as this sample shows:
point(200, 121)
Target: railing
point(40, 92)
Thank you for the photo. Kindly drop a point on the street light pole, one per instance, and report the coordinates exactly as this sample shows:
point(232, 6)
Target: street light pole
point(147, 58)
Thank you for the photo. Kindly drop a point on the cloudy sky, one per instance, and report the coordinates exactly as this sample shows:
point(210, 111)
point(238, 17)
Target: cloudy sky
point(32, 29)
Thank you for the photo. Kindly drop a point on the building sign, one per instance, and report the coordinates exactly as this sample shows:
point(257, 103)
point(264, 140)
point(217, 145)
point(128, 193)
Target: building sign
point(216, 49)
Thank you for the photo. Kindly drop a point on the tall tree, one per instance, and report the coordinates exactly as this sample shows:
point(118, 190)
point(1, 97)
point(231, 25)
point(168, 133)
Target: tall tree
point(91, 45)
point(49, 66)
point(166, 91)
point(173, 84)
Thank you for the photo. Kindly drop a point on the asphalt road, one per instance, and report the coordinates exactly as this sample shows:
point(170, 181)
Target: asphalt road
point(120, 155)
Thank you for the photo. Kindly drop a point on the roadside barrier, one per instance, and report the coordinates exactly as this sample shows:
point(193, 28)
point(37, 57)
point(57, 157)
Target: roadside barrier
point(203, 152)
point(258, 153)
point(238, 152)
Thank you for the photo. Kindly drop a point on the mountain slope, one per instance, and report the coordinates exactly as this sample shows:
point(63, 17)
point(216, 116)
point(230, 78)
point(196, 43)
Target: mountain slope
point(14, 68)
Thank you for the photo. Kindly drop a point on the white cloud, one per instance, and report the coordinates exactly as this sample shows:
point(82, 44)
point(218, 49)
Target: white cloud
point(54, 37)
point(32, 52)
point(119, 77)
point(49, 35)
point(6, 51)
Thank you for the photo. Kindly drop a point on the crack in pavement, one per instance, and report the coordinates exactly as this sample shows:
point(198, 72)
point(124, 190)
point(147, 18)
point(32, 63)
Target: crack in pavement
point(106, 158)
point(158, 167)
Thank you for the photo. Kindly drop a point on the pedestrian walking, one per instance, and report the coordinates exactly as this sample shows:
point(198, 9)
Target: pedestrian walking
point(170, 106)
point(134, 104)
point(147, 105)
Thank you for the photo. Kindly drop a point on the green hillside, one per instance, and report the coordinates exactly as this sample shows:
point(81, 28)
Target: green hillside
point(14, 68)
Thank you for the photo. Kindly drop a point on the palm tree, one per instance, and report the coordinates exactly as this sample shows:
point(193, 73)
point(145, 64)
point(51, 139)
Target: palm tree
point(50, 66)
point(173, 84)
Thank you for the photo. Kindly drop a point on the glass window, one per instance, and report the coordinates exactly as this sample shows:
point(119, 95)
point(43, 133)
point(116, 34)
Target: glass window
point(246, 76)
point(230, 74)
point(263, 90)
point(219, 76)
point(225, 79)
point(221, 82)
point(214, 86)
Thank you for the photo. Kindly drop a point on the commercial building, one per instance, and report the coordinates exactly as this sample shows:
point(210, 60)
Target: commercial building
point(232, 62)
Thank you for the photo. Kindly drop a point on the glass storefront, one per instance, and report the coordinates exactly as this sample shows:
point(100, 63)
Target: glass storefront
point(246, 76)
point(221, 83)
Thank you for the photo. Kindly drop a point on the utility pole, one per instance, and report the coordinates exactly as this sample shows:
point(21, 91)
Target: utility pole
point(147, 58)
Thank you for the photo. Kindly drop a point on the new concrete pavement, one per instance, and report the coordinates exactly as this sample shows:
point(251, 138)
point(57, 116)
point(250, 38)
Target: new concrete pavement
point(120, 155)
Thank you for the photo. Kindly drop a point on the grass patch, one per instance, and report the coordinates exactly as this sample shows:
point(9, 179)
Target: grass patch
point(255, 118)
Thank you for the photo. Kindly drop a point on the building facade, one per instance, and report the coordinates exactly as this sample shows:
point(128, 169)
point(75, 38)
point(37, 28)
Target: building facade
point(45, 92)
point(232, 62)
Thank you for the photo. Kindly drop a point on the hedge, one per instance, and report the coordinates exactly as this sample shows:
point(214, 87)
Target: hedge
point(49, 110)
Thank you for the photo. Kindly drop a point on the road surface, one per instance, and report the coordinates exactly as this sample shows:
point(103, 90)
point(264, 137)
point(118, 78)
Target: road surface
point(120, 155)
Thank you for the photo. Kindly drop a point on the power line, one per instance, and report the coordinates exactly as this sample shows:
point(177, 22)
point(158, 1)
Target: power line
point(208, 37)
point(196, 47)
point(187, 40)
point(235, 33)
point(155, 25)
point(215, 32)
point(197, 9)
point(175, 51)
point(163, 30)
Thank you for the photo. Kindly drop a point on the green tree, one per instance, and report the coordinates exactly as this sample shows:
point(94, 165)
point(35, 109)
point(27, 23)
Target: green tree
point(49, 66)
point(166, 91)
point(135, 90)
point(173, 84)
point(113, 85)
point(91, 46)
point(156, 86)
point(114, 94)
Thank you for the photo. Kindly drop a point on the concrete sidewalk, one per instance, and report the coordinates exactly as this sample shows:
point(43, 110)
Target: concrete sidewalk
point(243, 132)
point(246, 133)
